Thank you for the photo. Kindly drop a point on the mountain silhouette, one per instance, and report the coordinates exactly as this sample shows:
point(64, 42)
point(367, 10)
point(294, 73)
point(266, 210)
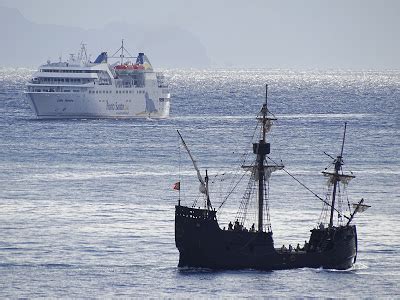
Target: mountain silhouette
point(28, 44)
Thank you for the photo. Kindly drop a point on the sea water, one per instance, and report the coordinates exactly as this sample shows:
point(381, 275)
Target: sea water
point(87, 206)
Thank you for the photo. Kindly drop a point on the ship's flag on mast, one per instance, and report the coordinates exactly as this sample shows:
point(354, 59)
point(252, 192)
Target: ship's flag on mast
point(177, 186)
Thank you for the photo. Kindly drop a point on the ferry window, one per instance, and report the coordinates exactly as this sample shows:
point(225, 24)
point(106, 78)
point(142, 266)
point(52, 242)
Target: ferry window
point(76, 91)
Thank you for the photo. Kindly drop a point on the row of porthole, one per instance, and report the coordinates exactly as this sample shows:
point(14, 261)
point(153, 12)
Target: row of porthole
point(106, 101)
point(118, 92)
point(53, 91)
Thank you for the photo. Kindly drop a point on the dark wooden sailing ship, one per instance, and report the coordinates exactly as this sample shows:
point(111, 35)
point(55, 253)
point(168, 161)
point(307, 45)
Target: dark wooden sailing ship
point(202, 243)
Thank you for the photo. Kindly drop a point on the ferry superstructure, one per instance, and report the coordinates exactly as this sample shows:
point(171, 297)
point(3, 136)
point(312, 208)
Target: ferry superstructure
point(79, 88)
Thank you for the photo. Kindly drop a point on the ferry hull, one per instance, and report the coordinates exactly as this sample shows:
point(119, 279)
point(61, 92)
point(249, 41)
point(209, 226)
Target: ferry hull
point(201, 243)
point(82, 105)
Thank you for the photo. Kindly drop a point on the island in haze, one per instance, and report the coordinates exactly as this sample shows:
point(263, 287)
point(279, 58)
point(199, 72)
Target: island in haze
point(29, 44)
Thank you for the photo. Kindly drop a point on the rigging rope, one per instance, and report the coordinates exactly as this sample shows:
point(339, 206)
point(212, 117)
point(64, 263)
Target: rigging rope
point(246, 154)
point(308, 189)
point(227, 196)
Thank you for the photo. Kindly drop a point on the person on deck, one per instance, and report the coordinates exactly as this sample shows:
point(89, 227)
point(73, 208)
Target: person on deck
point(305, 248)
point(237, 225)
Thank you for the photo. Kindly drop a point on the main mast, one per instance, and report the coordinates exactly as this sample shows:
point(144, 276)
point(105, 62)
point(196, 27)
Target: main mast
point(261, 149)
point(336, 177)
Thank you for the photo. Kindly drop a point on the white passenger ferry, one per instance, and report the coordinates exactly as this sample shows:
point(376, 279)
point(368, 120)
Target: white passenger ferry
point(79, 88)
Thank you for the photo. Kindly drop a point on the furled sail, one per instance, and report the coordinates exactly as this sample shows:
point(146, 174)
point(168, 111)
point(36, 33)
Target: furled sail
point(268, 123)
point(343, 178)
point(360, 207)
point(268, 170)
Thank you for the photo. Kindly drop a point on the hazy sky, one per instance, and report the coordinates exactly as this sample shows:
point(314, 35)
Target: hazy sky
point(354, 34)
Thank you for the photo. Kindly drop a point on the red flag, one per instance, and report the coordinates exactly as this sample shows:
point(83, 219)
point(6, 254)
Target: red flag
point(177, 186)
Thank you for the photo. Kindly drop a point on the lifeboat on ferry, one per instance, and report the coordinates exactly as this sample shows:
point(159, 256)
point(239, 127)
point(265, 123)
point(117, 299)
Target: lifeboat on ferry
point(129, 67)
point(121, 67)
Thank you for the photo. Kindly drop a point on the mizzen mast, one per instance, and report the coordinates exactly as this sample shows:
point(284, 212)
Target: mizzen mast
point(203, 183)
